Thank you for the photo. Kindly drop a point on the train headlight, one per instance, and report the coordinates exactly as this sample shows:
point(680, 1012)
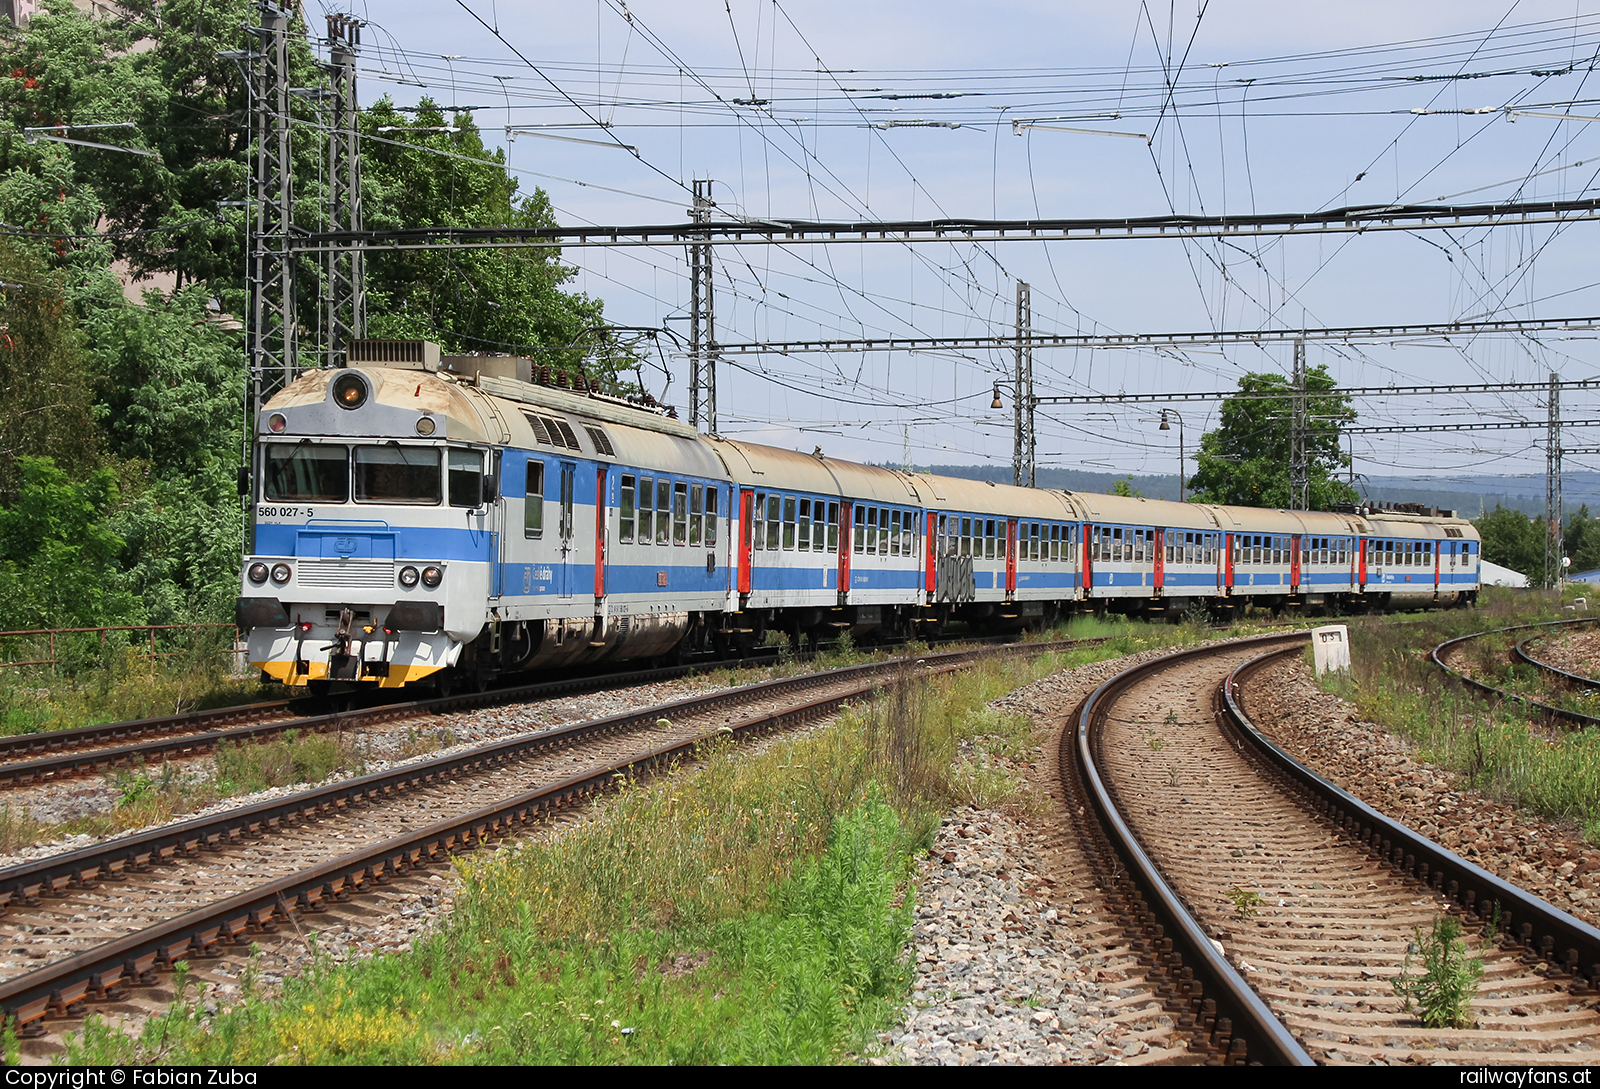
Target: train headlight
point(408, 577)
point(432, 576)
point(281, 573)
point(350, 391)
point(258, 573)
point(276, 423)
point(426, 426)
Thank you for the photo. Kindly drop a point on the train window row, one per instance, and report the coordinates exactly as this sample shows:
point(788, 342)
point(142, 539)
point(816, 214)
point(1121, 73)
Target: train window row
point(664, 511)
point(1046, 542)
point(1186, 546)
point(986, 539)
point(964, 535)
point(790, 523)
point(885, 531)
point(1403, 553)
point(409, 475)
point(1316, 551)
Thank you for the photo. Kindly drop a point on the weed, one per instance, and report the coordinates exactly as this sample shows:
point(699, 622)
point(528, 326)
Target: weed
point(1172, 717)
point(1156, 744)
point(1444, 992)
point(1173, 780)
point(1246, 902)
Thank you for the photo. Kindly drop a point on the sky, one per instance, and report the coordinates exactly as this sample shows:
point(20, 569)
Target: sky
point(885, 111)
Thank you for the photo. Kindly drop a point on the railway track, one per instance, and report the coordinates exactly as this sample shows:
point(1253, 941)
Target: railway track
point(91, 925)
point(1521, 653)
point(55, 755)
point(1199, 817)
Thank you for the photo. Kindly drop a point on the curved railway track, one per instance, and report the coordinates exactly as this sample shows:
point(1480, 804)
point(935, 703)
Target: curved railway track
point(111, 917)
point(1196, 812)
point(1521, 653)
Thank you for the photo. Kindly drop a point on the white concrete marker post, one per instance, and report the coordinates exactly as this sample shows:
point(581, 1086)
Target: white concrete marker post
point(1330, 647)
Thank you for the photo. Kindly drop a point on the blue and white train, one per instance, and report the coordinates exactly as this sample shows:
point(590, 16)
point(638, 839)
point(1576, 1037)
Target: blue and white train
point(443, 520)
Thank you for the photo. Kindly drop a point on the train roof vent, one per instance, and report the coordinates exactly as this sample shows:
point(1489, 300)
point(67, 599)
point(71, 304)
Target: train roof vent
point(540, 432)
point(568, 439)
point(602, 442)
point(417, 355)
point(1451, 531)
point(553, 431)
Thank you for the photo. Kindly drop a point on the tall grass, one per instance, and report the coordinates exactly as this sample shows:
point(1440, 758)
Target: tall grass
point(751, 908)
point(117, 682)
point(1494, 747)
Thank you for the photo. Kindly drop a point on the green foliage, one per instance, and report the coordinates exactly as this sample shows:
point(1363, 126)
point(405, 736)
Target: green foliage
point(58, 552)
point(1124, 487)
point(1512, 540)
point(1581, 541)
point(1245, 461)
point(470, 300)
point(1443, 994)
point(46, 395)
point(1246, 903)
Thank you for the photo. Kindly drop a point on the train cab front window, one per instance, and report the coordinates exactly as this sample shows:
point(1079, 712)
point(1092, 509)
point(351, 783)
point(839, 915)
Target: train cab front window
point(307, 473)
point(398, 474)
point(466, 478)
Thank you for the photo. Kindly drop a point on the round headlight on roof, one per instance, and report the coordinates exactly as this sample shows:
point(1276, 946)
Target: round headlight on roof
point(276, 423)
point(426, 426)
point(350, 390)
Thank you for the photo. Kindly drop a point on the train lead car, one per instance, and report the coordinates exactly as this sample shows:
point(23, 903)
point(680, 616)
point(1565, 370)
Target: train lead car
point(425, 518)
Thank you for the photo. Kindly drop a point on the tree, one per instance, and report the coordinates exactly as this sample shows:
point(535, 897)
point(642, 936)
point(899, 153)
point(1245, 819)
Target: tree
point(1124, 487)
point(1245, 462)
point(506, 300)
point(58, 554)
point(46, 398)
point(1513, 540)
point(1581, 541)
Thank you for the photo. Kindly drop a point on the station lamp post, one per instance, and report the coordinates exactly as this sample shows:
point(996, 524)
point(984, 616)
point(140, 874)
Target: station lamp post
point(1165, 426)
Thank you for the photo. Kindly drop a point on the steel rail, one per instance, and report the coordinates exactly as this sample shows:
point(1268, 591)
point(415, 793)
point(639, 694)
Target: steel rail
point(104, 972)
point(1579, 679)
point(25, 882)
point(1560, 713)
point(76, 760)
point(1540, 928)
point(1244, 1028)
point(84, 762)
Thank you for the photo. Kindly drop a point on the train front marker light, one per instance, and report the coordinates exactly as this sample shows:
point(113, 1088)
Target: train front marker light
point(258, 573)
point(408, 577)
point(281, 573)
point(431, 577)
point(426, 426)
point(276, 423)
point(350, 391)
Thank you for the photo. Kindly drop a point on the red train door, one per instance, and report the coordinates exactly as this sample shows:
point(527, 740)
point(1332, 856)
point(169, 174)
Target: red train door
point(1361, 548)
point(846, 532)
point(1294, 564)
point(931, 583)
point(1227, 560)
point(1161, 558)
point(1011, 557)
point(1087, 552)
point(747, 499)
point(599, 533)
point(1436, 568)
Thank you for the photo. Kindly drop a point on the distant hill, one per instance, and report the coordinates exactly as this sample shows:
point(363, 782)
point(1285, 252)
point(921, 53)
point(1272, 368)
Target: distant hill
point(1467, 496)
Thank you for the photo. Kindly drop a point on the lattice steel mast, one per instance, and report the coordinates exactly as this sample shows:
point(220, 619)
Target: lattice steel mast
point(345, 301)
